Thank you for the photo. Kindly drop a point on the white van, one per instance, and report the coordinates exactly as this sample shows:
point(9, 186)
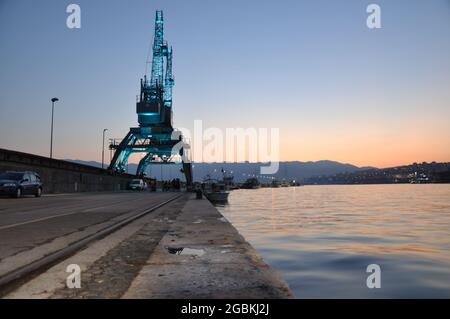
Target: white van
point(137, 185)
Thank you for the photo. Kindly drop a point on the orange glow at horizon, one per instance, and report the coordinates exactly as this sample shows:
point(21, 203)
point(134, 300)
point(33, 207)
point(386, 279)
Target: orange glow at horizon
point(369, 146)
point(364, 144)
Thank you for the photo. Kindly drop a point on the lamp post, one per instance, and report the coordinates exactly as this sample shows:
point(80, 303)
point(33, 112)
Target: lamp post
point(103, 147)
point(55, 99)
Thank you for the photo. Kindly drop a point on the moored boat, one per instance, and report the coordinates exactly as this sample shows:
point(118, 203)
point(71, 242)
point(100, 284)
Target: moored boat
point(251, 183)
point(217, 196)
point(214, 190)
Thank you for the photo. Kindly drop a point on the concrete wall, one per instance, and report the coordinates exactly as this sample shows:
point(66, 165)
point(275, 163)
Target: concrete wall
point(62, 176)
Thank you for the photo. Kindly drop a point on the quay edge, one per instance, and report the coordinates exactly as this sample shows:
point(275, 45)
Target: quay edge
point(216, 261)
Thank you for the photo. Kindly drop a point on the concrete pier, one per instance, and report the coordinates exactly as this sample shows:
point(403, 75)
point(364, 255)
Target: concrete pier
point(203, 256)
point(185, 249)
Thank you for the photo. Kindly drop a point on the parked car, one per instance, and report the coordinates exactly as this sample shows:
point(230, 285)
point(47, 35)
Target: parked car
point(137, 185)
point(16, 184)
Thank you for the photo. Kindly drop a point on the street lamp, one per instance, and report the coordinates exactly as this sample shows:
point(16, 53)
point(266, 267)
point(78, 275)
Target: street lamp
point(55, 99)
point(103, 147)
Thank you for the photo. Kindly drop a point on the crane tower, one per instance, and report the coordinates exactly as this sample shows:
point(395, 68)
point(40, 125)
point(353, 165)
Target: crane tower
point(155, 136)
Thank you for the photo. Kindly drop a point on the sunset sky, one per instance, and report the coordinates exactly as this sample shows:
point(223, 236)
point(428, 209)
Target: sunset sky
point(335, 89)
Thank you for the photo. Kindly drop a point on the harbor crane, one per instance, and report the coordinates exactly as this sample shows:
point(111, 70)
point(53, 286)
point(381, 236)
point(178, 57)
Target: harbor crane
point(155, 136)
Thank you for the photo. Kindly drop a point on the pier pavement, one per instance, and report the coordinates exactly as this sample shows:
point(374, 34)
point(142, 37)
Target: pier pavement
point(183, 248)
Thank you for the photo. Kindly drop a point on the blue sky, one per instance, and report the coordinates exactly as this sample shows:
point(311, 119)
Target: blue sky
point(336, 89)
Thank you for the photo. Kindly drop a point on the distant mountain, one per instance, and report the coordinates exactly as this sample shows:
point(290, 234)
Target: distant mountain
point(414, 173)
point(287, 170)
point(88, 163)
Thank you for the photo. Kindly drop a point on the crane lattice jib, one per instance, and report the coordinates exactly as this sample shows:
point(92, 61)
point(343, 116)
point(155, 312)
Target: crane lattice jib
point(158, 51)
point(169, 81)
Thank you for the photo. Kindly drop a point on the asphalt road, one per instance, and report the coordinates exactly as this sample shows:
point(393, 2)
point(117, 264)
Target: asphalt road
point(29, 222)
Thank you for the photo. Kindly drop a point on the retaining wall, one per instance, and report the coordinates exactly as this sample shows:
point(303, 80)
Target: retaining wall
point(61, 176)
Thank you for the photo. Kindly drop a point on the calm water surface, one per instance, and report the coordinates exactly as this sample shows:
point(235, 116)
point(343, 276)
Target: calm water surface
point(320, 239)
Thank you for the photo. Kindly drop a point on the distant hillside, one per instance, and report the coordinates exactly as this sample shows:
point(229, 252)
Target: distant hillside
point(287, 170)
point(414, 173)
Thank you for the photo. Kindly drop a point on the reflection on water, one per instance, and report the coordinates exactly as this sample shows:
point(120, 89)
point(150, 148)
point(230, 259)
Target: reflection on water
point(321, 238)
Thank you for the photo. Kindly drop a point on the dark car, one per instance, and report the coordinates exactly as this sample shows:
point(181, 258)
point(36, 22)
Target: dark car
point(17, 184)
